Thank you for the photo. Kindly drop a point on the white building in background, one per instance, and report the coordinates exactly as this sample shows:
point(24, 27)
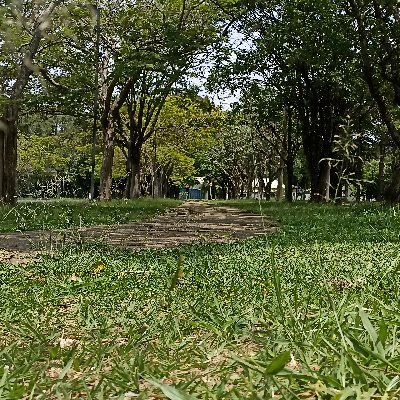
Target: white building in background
point(198, 182)
point(274, 186)
point(256, 187)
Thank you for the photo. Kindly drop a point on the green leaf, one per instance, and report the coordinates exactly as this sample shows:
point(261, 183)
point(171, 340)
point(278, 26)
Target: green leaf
point(383, 332)
point(358, 347)
point(345, 394)
point(368, 326)
point(278, 363)
point(357, 371)
point(248, 364)
point(393, 384)
point(171, 392)
point(66, 369)
point(179, 274)
point(366, 352)
point(3, 379)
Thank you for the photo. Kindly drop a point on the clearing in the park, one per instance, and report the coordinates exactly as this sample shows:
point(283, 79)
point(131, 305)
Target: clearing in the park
point(200, 199)
point(303, 303)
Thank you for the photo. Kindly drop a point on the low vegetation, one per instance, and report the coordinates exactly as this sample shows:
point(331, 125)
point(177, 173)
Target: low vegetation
point(311, 312)
point(63, 214)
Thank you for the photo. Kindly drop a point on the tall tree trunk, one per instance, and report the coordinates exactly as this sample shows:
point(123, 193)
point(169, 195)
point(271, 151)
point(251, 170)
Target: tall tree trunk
point(315, 195)
point(224, 190)
point(236, 187)
point(261, 185)
point(128, 176)
point(381, 176)
point(279, 191)
point(231, 190)
point(108, 160)
point(290, 155)
point(289, 179)
point(250, 180)
point(135, 173)
point(2, 161)
point(324, 180)
point(346, 190)
point(158, 182)
point(109, 120)
point(242, 188)
point(268, 186)
point(392, 193)
point(8, 157)
point(8, 124)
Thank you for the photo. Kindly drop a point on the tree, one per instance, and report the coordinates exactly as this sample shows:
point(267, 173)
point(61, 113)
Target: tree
point(377, 40)
point(56, 158)
point(187, 128)
point(274, 121)
point(153, 47)
point(297, 48)
point(23, 30)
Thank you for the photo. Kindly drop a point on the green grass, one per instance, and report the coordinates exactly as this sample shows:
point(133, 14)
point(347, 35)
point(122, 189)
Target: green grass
point(62, 214)
point(307, 223)
point(310, 312)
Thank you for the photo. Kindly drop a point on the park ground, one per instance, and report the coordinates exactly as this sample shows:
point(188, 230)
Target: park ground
point(310, 311)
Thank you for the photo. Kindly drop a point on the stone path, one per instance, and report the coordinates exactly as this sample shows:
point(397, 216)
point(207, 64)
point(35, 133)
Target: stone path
point(188, 223)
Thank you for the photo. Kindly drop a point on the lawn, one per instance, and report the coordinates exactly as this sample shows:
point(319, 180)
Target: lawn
point(62, 214)
point(312, 311)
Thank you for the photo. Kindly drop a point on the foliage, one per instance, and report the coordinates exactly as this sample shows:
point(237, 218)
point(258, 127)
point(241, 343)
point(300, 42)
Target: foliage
point(301, 58)
point(185, 132)
point(232, 154)
point(52, 155)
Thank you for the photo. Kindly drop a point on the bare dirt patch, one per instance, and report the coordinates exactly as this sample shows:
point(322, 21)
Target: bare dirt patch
point(188, 223)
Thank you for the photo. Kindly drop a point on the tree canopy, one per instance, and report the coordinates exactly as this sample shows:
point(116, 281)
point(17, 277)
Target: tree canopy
point(318, 100)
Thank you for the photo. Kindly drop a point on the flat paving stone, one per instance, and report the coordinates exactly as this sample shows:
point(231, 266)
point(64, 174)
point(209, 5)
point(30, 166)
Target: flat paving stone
point(191, 222)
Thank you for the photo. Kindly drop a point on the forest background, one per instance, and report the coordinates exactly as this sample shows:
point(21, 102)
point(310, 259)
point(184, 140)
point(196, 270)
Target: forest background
point(99, 99)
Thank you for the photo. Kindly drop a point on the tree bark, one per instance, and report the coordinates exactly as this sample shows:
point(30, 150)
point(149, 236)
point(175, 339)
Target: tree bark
point(135, 192)
point(279, 191)
point(392, 193)
point(158, 183)
point(128, 177)
point(108, 160)
point(250, 179)
point(325, 180)
point(8, 156)
point(289, 179)
point(381, 176)
point(2, 161)
point(290, 155)
point(109, 121)
point(261, 185)
point(346, 190)
point(268, 186)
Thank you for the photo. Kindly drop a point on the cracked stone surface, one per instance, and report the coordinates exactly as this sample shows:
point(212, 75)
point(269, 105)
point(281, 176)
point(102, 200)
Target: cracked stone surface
point(191, 222)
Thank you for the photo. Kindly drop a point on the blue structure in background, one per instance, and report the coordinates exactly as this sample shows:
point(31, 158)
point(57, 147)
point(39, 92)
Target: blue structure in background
point(196, 194)
point(191, 194)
